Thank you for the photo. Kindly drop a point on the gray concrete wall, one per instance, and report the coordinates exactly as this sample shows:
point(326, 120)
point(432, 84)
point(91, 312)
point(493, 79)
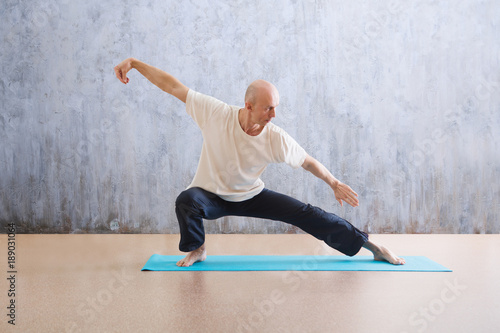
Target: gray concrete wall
point(399, 99)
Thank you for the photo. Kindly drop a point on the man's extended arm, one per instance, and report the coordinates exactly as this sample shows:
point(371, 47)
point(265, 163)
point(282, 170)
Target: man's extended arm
point(341, 190)
point(161, 79)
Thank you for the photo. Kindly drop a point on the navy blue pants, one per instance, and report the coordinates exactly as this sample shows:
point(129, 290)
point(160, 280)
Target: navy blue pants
point(195, 204)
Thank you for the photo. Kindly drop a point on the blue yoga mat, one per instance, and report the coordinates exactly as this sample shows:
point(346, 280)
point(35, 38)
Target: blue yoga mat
point(293, 263)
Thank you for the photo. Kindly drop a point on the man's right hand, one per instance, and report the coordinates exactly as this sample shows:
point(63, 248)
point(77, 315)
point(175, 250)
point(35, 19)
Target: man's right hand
point(122, 69)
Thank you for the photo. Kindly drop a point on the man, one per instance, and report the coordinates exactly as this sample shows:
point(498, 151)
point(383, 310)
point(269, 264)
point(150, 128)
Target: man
point(238, 144)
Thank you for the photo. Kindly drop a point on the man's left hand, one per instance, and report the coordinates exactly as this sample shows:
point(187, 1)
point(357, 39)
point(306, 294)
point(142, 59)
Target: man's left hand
point(344, 193)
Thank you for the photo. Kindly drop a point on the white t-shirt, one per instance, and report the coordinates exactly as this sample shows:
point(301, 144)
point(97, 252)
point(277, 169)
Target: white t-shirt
point(232, 161)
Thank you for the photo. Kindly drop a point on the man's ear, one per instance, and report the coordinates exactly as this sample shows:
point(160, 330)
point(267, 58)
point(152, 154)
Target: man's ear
point(248, 106)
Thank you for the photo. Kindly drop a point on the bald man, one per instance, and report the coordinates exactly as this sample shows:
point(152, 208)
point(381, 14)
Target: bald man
point(238, 144)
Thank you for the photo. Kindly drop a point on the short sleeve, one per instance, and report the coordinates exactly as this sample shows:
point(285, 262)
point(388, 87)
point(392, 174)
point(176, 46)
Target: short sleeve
point(286, 149)
point(201, 107)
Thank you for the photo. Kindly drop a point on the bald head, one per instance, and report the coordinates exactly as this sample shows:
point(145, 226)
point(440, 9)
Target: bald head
point(261, 101)
point(260, 88)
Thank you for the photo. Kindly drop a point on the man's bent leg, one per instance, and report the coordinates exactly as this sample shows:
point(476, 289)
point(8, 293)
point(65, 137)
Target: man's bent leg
point(191, 207)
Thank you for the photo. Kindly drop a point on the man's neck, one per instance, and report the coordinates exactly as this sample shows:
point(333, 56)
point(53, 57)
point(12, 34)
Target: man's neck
point(246, 123)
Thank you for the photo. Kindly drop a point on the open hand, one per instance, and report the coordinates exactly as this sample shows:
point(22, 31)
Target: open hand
point(122, 69)
point(345, 193)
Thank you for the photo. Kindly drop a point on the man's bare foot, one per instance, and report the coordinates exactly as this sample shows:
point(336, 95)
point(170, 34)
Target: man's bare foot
point(197, 255)
point(381, 253)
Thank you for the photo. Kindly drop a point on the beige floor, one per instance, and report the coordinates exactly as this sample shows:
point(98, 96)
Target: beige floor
point(93, 283)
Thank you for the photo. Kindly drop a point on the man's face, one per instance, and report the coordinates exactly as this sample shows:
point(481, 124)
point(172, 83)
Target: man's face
point(264, 109)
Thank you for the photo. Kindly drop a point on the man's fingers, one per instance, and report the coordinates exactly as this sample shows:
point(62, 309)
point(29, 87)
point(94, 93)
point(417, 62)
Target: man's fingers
point(120, 75)
point(123, 76)
point(350, 194)
point(351, 191)
point(353, 201)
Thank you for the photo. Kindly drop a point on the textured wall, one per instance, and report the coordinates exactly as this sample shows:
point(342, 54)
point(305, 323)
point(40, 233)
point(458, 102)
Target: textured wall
point(400, 100)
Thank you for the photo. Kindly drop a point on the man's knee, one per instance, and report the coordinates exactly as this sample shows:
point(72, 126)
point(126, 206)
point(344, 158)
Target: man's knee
point(192, 201)
point(191, 195)
point(184, 205)
point(184, 198)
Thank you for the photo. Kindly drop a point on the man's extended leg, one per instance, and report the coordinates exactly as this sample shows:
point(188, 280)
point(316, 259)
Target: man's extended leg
point(333, 230)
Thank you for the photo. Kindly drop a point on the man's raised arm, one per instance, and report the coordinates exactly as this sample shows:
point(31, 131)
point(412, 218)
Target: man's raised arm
point(159, 78)
point(341, 190)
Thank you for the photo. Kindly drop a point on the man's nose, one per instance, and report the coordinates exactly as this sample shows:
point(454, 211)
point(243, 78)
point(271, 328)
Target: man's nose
point(273, 113)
